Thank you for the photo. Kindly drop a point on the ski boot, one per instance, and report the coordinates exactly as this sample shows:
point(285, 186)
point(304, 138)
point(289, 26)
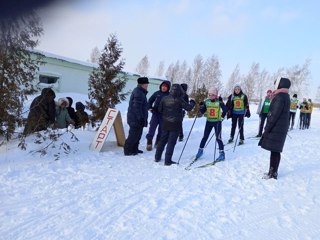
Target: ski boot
point(149, 144)
point(241, 142)
point(230, 140)
point(200, 153)
point(221, 157)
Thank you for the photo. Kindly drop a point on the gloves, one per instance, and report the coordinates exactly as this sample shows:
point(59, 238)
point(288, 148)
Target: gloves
point(248, 114)
point(201, 104)
point(192, 102)
point(220, 99)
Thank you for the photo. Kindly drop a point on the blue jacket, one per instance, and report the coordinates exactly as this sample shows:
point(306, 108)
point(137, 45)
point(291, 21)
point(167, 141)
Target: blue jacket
point(154, 100)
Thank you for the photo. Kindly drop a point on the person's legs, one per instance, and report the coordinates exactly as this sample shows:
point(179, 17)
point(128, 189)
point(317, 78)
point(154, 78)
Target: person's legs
point(172, 140)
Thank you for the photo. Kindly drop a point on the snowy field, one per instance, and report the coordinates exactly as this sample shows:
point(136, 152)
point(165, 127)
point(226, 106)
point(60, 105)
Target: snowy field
point(87, 195)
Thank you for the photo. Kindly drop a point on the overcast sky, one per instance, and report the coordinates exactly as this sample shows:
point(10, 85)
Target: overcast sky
point(273, 33)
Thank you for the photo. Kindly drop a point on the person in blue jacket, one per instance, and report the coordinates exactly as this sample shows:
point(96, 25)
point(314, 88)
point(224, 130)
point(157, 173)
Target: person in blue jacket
point(137, 117)
point(156, 122)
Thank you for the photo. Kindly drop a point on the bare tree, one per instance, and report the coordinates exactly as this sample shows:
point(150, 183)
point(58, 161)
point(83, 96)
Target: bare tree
point(248, 82)
point(299, 76)
point(233, 79)
point(262, 84)
point(170, 72)
point(95, 55)
point(197, 72)
point(181, 78)
point(143, 66)
point(160, 70)
point(318, 95)
point(211, 73)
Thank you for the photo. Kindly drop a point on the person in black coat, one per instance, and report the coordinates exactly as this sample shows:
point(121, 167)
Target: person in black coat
point(156, 120)
point(72, 112)
point(137, 117)
point(186, 99)
point(275, 131)
point(42, 112)
point(171, 109)
point(82, 115)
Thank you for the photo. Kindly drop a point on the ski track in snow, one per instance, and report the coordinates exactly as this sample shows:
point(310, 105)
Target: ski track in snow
point(108, 196)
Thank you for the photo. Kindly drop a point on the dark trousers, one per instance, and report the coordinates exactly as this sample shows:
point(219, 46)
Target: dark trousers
point(263, 117)
point(168, 138)
point(207, 130)
point(154, 123)
point(303, 120)
point(237, 118)
point(274, 162)
point(132, 142)
point(308, 119)
point(292, 117)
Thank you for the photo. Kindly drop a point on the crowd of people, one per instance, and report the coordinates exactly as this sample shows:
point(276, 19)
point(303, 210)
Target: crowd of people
point(168, 106)
point(46, 113)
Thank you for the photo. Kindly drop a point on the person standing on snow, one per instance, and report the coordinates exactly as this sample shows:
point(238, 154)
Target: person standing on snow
point(276, 129)
point(308, 114)
point(215, 111)
point(263, 110)
point(303, 114)
point(186, 99)
point(238, 108)
point(171, 108)
point(137, 117)
point(294, 104)
point(156, 121)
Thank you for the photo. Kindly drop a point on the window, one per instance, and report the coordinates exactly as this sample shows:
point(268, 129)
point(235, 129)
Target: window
point(48, 79)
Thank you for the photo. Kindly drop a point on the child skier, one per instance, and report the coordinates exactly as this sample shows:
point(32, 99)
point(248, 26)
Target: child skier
point(263, 110)
point(215, 111)
point(294, 104)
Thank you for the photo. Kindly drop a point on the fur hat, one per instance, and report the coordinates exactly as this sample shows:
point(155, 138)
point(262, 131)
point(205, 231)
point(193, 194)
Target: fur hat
point(213, 91)
point(143, 80)
point(62, 100)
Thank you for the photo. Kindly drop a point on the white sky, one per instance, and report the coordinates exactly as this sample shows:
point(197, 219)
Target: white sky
point(274, 34)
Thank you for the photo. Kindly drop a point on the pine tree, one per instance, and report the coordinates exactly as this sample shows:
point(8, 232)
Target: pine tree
point(199, 95)
point(18, 36)
point(107, 81)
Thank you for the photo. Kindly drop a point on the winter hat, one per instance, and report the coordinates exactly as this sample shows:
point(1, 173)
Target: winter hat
point(63, 100)
point(143, 80)
point(213, 91)
point(79, 106)
point(295, 95)
point(70, 100)
point(237, 85)
point(184, 87)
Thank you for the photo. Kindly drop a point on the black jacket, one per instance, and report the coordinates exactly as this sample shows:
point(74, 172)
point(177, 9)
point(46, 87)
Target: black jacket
point(171, 109)
point(277, 125)
point(137, 115)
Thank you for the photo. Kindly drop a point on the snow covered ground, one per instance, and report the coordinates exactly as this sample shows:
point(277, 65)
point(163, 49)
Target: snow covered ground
point(87, 195)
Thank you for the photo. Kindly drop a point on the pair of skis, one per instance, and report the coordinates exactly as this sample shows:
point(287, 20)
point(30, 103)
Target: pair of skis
point(189, 167)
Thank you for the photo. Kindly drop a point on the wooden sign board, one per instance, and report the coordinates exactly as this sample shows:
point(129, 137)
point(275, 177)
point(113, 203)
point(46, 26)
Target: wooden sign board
point(112, 118)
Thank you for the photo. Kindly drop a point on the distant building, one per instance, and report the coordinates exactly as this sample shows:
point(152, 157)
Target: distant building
point(70, 75)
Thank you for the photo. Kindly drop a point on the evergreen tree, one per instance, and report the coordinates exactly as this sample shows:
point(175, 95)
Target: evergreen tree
point(18, 36)
point(107, 81)
point(199, 95)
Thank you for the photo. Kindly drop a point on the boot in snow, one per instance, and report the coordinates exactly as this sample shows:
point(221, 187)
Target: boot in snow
point(230, 140)
point(241, 142)
point(221, 156)
point(149, 144)
point(200, 152)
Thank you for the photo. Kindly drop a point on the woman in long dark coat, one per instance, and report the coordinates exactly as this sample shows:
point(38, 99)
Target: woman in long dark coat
point(275, 131)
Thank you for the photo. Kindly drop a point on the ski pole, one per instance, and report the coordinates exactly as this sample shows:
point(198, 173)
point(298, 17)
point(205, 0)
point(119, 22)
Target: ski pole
point(235, 143)
point(188, 136)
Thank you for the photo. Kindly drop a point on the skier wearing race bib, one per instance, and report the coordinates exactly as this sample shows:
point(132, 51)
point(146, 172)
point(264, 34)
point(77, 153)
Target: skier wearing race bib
point(294, 104)
point(263, 110)
point(238, 108)
point(215, 111)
